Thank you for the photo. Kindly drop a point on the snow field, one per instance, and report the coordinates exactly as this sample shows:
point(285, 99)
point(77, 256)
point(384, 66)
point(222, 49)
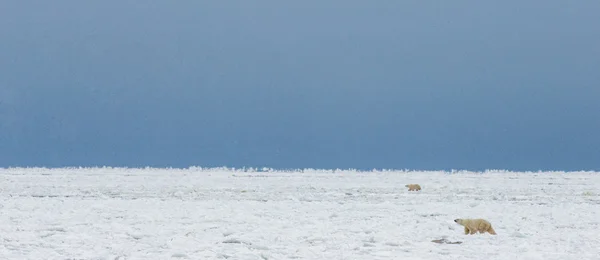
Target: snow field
point(108, 213)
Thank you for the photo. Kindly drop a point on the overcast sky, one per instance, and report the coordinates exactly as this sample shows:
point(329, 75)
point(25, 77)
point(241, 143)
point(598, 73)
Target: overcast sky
point(301, 84)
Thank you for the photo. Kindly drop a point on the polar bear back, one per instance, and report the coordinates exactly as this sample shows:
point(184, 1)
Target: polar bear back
point(475, 223)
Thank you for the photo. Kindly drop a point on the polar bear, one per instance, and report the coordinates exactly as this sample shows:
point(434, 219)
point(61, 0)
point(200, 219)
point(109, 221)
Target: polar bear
point(473, 226)
point(411, 187)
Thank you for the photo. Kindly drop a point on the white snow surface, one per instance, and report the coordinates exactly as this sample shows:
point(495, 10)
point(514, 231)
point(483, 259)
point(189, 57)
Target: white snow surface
point(222, 213)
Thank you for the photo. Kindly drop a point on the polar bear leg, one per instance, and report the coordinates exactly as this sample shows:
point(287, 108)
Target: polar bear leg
point(466, 230)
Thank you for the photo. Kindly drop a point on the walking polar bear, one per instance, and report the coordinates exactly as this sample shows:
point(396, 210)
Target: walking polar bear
point(412, 187)
point(473, 226)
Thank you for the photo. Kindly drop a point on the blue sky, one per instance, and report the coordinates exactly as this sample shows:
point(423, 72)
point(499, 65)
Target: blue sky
point(303, 84)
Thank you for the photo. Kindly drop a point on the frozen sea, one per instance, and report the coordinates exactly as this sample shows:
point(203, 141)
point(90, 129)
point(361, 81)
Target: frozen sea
point(196, 213)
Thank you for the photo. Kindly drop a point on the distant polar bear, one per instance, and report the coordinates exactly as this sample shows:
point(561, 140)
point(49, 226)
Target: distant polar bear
point(473, 226)
point(412, 187)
